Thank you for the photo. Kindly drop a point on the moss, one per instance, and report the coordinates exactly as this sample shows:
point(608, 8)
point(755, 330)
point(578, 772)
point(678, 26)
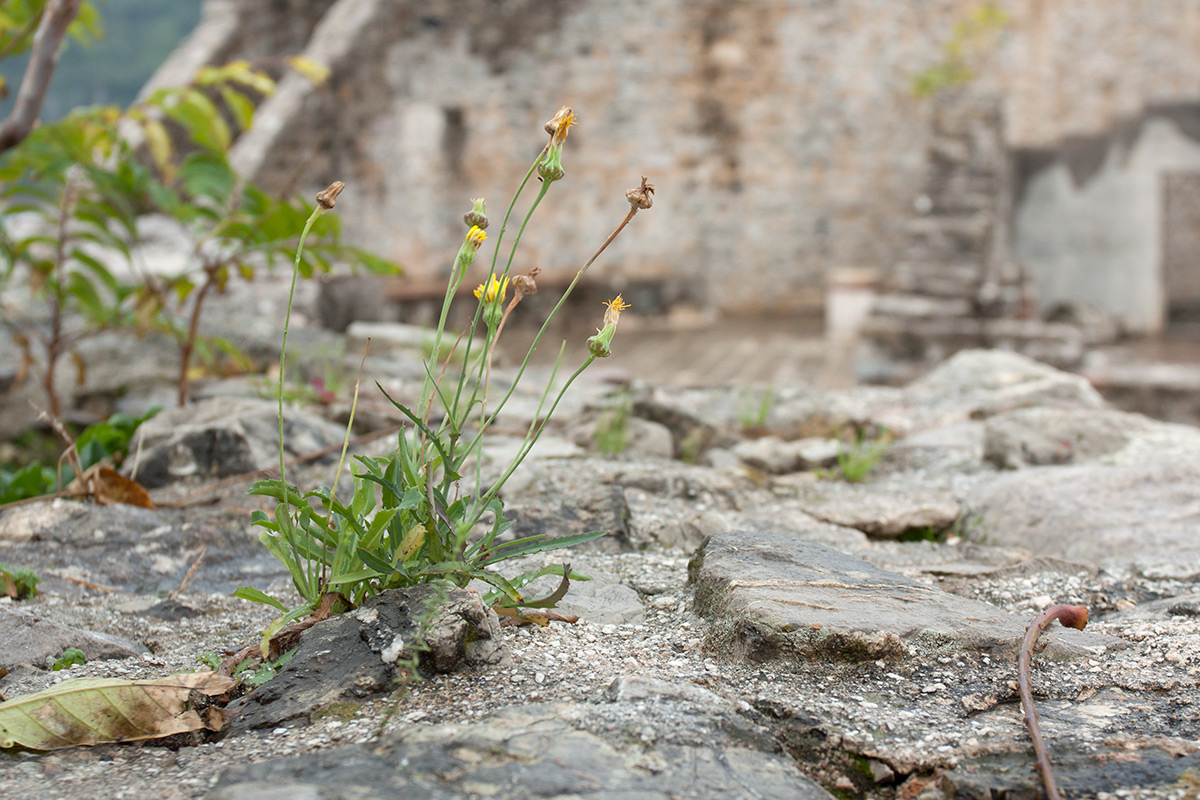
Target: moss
point(343, 710)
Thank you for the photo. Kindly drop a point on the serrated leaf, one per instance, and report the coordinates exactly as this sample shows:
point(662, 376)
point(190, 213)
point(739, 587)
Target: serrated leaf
point(89, 711)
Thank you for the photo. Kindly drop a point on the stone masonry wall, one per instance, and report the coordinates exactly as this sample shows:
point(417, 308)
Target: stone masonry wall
point(783, 136)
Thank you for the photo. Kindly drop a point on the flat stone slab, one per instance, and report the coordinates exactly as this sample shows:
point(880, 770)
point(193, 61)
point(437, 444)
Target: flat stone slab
point(880, 511)
point(137, 550)
point(775, 596)
point(28, 640)
point(1141, 516)
point(645, 740)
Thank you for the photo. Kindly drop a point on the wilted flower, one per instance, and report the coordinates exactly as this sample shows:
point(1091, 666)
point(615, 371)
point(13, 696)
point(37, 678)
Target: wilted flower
point(643, 196)
point(600, 345)
point(550, 168)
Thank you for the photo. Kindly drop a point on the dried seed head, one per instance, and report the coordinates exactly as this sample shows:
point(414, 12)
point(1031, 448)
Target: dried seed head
point(525, 285)
point(327, 199)
point(642, 196)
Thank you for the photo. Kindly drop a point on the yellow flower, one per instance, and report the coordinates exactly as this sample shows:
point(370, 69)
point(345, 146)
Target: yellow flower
point(493, 291)
point(470, 246)
point(476, 237)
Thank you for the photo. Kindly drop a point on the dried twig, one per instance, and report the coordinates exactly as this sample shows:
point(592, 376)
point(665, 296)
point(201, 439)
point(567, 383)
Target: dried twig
point(96, 586)
point(191, 571)
point(1071, 617)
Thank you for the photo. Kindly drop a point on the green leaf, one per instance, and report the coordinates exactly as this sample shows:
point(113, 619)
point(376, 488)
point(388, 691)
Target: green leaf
point(254, 595)
point(536, 544)
point(239, 105)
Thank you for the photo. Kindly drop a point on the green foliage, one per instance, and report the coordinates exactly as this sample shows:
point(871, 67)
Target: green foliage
point(78, 187)
point(425, 512)
point(756, 408)
point(210, 659)
point(32, 480)
point(69, 658)
point(856, 459)
point(19, 584)
point(973, 33)
point(612, 428)
point(107, 440)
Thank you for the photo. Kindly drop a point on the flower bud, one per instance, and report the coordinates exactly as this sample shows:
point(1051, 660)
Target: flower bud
point(477, 216)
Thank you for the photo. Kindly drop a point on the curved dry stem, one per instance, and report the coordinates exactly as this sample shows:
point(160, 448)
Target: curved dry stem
point(1071, 617)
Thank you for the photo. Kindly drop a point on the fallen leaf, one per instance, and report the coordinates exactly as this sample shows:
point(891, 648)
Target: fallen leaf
point(109, 486)
point(88, 711)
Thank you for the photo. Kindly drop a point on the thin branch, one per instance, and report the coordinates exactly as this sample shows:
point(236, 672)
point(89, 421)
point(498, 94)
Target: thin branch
point(1071, 617)
point(47, 44)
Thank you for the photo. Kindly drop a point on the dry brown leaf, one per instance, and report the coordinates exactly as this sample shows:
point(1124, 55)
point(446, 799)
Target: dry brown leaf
point(88, 711)
point(109, 487)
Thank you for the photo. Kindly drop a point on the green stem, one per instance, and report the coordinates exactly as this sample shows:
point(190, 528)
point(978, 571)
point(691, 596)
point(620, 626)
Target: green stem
point(286, 524)
point(491, 342)
point(484, 423)
point(535, 432)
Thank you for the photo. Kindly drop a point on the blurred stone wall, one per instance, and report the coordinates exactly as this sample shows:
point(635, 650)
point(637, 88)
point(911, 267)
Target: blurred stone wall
point(784, 137)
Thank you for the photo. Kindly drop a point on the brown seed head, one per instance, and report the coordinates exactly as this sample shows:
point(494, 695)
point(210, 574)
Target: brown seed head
point(642, 196)
point(525, 285)
point(327, 199)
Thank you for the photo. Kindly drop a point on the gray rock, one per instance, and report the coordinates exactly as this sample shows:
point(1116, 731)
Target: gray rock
point(1092, 745)
point(646, 740)
point(882, 511)
point(770, 454)
point(1043, 436)
point(33, 641)
point(355, 656)
point(224, 436)
point(773, 596)
point(981, 383)
point(137, 549)
point(1140, 516)
point(642, 437)
point(590, 507)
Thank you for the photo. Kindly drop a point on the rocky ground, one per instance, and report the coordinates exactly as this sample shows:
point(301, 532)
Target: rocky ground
point(755, 626)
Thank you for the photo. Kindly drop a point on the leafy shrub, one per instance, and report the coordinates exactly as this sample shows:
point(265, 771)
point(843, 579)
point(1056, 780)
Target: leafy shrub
point(73, 192)
point(107, 440)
